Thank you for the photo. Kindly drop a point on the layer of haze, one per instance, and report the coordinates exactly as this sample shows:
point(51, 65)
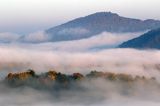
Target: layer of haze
point(105, 40)
point(96, 92)
point(135, 62)
point(40, 40)
point(25, 16)
point(76, 56)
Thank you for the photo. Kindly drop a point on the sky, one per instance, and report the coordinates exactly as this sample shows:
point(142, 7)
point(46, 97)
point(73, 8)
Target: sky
point(26, 16)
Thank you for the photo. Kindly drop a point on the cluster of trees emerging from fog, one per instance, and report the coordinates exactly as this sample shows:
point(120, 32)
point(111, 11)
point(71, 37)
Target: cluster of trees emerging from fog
point(57, 80)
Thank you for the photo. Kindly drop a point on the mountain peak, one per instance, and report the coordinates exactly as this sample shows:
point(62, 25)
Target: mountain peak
point(91, 25)
point(104, 14)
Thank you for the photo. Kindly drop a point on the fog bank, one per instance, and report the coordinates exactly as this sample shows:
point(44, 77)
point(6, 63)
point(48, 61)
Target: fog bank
point(136, 62)
point(43, 41)
point(15, 58)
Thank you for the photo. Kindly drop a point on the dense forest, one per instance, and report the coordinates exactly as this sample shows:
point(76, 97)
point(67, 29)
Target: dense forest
point(55, 80)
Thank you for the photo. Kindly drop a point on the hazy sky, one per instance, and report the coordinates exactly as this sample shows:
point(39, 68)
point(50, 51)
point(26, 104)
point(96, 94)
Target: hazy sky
point(25, 16)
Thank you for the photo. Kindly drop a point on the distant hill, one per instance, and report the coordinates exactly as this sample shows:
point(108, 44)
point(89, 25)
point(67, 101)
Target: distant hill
point(148, 40)
point(97, 23)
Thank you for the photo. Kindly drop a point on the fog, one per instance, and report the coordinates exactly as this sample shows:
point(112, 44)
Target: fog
point(35, 37)
point(73, 31)
point(81, 56)
point(141, 62)
point(40, 40)
point(100, 41)
point(8, 37)
point(97, 92)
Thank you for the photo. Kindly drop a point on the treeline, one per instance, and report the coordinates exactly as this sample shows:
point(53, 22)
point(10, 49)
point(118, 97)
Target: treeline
point(56, 80)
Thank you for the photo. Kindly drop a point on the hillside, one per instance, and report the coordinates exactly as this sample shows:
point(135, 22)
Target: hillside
point(149, 40)
point(97, 23)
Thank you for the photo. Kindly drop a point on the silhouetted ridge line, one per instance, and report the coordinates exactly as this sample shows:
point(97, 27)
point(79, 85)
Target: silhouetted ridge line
point(91, 25)
point(149, 40)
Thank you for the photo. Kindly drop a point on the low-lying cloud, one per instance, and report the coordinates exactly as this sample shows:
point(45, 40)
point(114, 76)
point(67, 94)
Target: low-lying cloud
point(77, 56)
point(104, 40)
point(36, 37)
point(9, 37)
point(73, 31)
point(100, 41)
point(97, 92)
point(137, 62)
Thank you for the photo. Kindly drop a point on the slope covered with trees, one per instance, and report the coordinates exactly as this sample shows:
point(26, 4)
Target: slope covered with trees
point(149, 40)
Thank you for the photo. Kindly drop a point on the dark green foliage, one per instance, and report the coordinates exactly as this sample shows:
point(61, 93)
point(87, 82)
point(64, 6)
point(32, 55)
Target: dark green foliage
point(32, 72)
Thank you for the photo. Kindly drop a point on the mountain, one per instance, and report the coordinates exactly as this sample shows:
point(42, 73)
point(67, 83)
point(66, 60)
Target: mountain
point(148, 40)
point(97, 23)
